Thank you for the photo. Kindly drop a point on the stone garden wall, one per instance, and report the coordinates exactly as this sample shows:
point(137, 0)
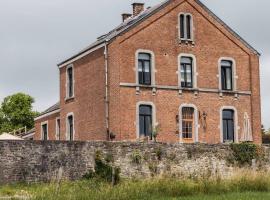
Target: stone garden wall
point(33, 161)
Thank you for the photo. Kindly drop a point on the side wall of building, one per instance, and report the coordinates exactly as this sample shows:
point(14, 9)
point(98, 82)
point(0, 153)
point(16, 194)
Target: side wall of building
point(51, 123)
point(88, 104)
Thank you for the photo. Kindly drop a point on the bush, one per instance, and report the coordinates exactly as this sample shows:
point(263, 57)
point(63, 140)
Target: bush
point(244, 153)
point(104, 171)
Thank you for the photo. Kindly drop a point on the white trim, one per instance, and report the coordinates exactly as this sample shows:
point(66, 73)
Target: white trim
point(154, 122)
point(67, 127)
point(47, 114)
point(194, 69)
point(191, 27)
point(67, 82)
point(57, 130)
point(236, 127)
point(81, 55)
point(234, 78)
point(42, 134)
point(153, 65)
point(196, 122)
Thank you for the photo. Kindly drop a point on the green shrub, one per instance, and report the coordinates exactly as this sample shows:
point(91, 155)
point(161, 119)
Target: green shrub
point(244, 153)
point(136, 157)
point(104, 171)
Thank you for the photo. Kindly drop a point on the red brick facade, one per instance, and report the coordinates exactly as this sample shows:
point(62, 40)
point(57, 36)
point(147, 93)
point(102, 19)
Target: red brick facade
point(159, 34)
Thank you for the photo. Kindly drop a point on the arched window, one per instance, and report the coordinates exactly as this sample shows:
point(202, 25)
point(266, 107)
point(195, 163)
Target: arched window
point(144, 68)
point(186, 72)
point(228, 124)
point(188, 123)
point(145, 121)
point(186, 26)
point(69, 82)
point(227, 75)
point(70, 127)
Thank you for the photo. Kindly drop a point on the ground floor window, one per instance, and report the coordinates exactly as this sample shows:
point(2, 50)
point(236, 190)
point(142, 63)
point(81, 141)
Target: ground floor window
point(187, 123)
point(228, 125)
point(70, 127)
point(145, 120)
point(44, 129)
point(57, 129)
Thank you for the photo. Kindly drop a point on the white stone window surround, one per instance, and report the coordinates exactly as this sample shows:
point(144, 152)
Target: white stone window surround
point(234, 74)
point(67, 126)
point(194, 69)
point(236, 127)
point(196, 122)
point(185, 25)
point(137, 123)
point(67, 82)
point(57, 129)
point(41, 128)
point(153, 66)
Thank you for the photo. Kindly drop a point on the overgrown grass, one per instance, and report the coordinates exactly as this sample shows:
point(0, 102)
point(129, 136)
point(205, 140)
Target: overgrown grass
point(247, 186)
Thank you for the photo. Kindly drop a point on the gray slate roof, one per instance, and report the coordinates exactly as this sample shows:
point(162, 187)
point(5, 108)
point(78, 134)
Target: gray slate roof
point(51, 109)
point(133, 21)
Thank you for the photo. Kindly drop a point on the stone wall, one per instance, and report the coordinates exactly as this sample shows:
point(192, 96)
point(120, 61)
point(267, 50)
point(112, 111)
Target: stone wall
point(32, 161)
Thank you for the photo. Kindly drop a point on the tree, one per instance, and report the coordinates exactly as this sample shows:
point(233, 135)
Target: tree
point(16, 111)
point(262, 129)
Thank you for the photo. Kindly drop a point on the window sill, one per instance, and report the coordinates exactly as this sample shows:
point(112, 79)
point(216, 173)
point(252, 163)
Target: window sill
point(67, 99)
point(186, 41)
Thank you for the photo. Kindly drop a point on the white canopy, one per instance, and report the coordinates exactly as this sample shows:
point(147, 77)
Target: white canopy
point(247, 133)
point(6, 136)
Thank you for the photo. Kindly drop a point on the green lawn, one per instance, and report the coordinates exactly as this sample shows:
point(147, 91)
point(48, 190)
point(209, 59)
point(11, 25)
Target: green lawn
point(155, 189)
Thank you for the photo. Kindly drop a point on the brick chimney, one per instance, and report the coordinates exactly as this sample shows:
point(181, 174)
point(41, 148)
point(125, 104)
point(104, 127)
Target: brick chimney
point(137, 8)
point(125, 16)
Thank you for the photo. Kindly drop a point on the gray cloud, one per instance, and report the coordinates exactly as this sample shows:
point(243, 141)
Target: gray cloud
point(35, 35)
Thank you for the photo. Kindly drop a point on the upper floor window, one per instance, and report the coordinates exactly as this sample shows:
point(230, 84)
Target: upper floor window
point(186, 72)
point(226, 75)
point(144, 68)
point(186, 26)
point(70, 82)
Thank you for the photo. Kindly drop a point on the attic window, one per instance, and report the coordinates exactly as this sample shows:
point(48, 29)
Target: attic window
point(185, 27)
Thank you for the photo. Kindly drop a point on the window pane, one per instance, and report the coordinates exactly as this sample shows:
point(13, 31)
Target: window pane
point(144, 56)
point(70, 127)
point(186, 60)
point(148, 126)
point(229, 78)
point(70, 82)
point(223, 78)
point(142, 133)
point(140, 66)
point(230, 130)
point(188, 27)
point(182, 26)
point(225, 131)
point(187, 122)
point(228, 125)
point(45, 133)
point(226, 63)
point(228, 114)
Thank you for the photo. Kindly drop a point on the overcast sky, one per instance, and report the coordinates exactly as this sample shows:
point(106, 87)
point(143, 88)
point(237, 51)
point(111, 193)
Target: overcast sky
point(36, 34)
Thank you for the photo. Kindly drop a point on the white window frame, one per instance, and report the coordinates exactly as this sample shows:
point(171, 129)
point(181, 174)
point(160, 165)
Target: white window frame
point(194, 69)
point(236, 127)
point(57, 129)
point(154, 120)
point(41, 128)
point(153, 66)
point(185, 25)
point(196, 122)
point(234, 75)
point(67, 82)
point(67, 126)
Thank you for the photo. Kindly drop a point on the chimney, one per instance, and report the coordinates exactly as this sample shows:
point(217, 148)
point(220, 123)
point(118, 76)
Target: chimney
point(137, 8)
point(126, 16)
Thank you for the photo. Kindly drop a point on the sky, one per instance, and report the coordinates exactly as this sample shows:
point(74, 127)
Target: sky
point(35, 35)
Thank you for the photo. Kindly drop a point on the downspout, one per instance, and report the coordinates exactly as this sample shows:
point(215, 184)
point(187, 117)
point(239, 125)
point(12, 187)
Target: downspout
point(106, 90)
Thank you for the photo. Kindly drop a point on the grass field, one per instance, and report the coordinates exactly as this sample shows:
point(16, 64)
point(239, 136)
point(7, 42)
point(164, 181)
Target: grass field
point(246, 187)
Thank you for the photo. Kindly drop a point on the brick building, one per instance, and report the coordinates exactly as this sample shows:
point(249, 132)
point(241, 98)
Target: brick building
point(174, 70)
